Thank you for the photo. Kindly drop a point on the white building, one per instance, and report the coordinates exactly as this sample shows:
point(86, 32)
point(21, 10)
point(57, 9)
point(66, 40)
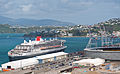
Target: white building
point(89, 62)
point(35, 60)
point(20, 63)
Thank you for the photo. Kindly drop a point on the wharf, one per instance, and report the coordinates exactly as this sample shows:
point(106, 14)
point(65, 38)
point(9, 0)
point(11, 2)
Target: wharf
point(53, 67)
point(64, 66)
point(41, 71)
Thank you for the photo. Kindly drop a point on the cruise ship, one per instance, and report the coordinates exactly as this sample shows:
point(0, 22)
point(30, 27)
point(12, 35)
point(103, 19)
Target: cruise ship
point(36, 48)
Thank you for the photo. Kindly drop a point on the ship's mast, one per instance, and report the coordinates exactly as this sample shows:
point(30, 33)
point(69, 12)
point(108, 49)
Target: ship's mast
point(102, 33)
point(90, 43)
point(105, 40)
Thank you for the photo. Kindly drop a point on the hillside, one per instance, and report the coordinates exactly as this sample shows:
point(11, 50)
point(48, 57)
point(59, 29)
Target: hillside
point(110, 25)
point(5, 28)
point(33, 22)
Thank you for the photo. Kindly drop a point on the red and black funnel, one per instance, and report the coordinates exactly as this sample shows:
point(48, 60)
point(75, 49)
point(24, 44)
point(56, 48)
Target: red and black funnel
point(38, 38)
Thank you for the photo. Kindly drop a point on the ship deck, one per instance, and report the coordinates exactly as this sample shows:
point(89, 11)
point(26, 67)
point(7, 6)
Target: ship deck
point(108, 48)
point(104, 49)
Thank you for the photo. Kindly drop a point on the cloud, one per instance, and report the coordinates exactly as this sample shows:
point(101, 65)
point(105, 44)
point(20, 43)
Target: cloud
point(64, 1)
point(59, 9)
point(79, 5)
point(26, 8)
point(46, 6)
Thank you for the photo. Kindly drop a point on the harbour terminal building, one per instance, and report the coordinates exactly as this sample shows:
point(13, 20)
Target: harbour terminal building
point(35, 60)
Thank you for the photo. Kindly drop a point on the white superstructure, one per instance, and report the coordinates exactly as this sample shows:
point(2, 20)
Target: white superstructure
point(35, 48)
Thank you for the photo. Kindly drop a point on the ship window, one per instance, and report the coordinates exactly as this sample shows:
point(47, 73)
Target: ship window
point(27, 47)
point(16, 47)
point(19, 47)
point(9, 67)
point(24, 47)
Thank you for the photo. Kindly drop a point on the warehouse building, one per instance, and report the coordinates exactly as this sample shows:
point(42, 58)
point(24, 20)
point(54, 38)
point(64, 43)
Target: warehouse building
point(35, 60)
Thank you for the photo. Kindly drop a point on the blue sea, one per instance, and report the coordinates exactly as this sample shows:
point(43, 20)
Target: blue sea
point(9, 41)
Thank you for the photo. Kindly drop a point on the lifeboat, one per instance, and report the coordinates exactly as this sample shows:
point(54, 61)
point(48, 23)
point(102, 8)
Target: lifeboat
point(43, 48)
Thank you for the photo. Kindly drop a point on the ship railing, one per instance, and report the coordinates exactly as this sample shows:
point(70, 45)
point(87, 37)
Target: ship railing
point(92, 49)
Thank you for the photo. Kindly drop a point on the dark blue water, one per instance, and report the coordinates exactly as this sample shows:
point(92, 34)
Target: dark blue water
point(9, 41)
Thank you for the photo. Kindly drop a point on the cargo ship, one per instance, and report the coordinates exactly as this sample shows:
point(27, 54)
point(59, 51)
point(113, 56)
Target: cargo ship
point(107, 53)
point(109, 50)
point(35, 48)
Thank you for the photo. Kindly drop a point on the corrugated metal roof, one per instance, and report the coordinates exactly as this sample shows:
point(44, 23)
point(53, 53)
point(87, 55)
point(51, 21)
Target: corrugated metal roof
point(31, 61)
point(50, 55)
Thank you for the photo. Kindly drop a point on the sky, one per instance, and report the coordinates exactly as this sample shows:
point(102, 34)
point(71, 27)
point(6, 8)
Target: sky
point(85, 12)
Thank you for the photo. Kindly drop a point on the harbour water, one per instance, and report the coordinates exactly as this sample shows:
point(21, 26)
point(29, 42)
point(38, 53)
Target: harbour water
point(9, 41)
